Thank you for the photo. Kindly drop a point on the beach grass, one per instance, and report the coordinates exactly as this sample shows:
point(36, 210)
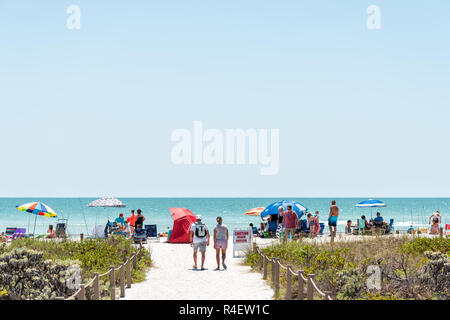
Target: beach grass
point(91, 255)
point(410, 268)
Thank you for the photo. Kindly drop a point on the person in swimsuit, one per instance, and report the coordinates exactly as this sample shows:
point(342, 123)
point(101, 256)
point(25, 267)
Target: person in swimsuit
point(348, 227)
point(139, 218)
point(220, 242)
point(435, 226)
point(312, 225)
point(332, 218)
point(434, 216)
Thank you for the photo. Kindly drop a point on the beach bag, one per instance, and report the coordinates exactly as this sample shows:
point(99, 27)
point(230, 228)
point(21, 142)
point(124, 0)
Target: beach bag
point(200, 230)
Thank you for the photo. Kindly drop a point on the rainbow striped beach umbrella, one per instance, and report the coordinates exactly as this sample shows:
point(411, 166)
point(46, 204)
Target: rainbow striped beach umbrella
point(39, 209)
point(255, 211)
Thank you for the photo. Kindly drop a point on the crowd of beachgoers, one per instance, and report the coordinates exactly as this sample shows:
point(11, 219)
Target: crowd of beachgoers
point(287, 224)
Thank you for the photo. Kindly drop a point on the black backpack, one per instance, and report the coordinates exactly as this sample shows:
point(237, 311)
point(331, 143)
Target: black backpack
point(200, 230)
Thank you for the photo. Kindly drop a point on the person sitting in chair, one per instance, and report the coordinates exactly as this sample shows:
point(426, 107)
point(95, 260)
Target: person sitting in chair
point(348, 227)
point(51, 233)
point(366, 223)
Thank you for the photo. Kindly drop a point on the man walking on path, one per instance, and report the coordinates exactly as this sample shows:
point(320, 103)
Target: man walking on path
point(220, 242)
point(332, 218)
point(291, 222)
point(199, 239)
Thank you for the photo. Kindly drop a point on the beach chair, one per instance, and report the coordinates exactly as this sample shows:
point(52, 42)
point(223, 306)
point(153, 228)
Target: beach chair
point(61, 227)
point(361, 226)
point(391, 226)
point(19, 233)
point(322, 228)
point(152, 231)
point(273, 225)
point(9, 233)
point(304, 228)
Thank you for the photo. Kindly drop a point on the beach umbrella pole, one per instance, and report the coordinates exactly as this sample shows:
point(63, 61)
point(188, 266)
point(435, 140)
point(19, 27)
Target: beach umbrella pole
point(34, 228)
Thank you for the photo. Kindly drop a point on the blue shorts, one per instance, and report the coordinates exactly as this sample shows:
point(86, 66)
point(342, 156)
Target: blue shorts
point(332, 221)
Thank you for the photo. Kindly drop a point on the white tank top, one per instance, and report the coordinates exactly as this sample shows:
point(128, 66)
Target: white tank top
point(221, 232)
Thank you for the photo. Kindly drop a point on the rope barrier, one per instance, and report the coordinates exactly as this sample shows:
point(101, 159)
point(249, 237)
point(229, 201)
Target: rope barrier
point(291, 275)
point(80, 293)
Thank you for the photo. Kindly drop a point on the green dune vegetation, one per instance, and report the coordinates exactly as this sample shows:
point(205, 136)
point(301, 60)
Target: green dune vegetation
point(408, 268)
point(36, 269)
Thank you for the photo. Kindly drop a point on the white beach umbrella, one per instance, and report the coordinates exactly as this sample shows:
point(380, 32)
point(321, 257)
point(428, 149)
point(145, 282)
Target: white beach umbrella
point(107, 202)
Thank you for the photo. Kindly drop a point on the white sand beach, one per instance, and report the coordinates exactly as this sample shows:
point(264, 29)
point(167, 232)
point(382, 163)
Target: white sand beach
point(173, 278)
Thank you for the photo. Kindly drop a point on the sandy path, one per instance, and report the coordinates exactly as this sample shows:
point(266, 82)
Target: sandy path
point(173, 278)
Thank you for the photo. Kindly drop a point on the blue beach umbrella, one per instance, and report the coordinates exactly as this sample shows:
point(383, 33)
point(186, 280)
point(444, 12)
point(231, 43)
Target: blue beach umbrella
point(371, 203)
point(273, 208)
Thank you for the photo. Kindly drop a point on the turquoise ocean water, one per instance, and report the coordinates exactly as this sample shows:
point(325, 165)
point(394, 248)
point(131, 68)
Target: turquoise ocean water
point(82, 219)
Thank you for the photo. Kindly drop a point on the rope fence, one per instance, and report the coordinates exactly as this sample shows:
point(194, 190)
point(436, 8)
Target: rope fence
point(280, 273)
point(117, 275)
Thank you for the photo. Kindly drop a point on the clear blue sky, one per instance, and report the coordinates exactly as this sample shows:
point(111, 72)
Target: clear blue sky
point(90, 112)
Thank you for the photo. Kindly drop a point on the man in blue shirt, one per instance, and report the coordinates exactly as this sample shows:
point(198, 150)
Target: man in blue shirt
point(378, 218)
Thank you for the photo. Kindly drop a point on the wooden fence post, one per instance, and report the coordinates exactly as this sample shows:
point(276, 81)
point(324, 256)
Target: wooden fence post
point(82, 293)
point(122, 280)
point(288, 283)
point(272, 271)
point(129, 273)
point(96, 286)
point(265, 267)
point(301, 286)
point(261, 257)
point(135, 261)
point(112, 283)
point(81, 236)
point(441, 232)
point(277, 277)
point(309, 289)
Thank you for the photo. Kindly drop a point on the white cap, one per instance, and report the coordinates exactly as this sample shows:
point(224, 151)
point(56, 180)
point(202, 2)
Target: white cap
point(198, 217)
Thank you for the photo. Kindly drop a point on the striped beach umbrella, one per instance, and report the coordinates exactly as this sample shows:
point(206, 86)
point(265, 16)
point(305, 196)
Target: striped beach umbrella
point(371, 203)
point(255, 211)
point(39, 209)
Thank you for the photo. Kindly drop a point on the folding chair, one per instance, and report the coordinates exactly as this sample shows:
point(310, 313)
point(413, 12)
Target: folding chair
point(61, 227)
point(19, 233)
point(9, 233)
point(152, 231)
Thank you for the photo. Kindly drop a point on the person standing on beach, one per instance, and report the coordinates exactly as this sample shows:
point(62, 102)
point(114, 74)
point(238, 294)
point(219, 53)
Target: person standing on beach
point(436, 216)
point(199, 239)
point(220, 242)
point(132, 221)
point(332, 218)
point(291, 222)
point(139, 219)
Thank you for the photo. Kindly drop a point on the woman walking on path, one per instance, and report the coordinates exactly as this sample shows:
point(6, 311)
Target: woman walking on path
point(220, 242)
